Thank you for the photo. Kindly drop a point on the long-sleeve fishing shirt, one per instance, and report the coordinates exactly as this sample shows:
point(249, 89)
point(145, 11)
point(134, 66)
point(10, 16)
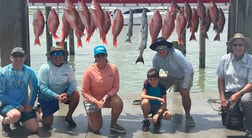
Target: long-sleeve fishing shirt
point(14, 86)
point(97, 83)
point(55, 80)
point(176, 65)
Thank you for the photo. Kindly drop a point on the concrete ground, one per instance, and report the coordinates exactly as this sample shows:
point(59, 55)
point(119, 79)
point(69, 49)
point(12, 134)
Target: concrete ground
point(208, 121)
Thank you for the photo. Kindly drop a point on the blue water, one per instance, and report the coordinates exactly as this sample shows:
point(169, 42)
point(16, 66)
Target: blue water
point(124, 56)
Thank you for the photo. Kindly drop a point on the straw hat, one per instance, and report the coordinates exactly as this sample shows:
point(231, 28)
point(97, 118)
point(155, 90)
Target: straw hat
point(160, 41)
point(247, 41)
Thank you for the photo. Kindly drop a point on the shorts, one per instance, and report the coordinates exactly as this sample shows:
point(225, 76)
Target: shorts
point(48, 107)
point(168, 81)
point(24, 116)
point(90, 107)
point(154, 108)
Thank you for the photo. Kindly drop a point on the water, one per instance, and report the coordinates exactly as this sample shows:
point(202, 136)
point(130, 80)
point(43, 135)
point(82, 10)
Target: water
point(124, 56)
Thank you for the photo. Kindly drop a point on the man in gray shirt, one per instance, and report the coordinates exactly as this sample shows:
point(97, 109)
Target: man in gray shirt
point(179, 70)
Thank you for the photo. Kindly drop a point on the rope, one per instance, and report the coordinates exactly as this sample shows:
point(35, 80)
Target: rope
point(212, 101)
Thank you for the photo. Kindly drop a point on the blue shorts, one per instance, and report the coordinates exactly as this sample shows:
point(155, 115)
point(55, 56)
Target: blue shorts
point(154, 108)
point(48, 107)
point(24, 116)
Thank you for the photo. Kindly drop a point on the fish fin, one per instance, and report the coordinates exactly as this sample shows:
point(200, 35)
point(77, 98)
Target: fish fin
point(180, 41)
point(140, 59)
point(37, 41)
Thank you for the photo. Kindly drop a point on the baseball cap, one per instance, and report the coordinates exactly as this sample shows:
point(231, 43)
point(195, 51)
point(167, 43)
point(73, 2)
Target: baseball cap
point(17, 50)
point(100, 49)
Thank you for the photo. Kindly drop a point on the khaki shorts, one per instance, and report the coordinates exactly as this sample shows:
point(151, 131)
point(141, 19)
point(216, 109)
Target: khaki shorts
point(168, 81)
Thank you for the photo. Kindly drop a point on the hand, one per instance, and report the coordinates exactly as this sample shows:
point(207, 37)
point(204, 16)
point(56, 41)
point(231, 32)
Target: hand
point(155, 118)
point(28, 108)
point(62, 98)
point(235, 97)
point(224, 103)
point(21, 108)
point(161, 100)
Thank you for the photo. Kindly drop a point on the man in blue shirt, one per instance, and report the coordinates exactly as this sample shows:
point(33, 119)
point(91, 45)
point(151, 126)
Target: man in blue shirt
point(179, 70)
point(15, 103)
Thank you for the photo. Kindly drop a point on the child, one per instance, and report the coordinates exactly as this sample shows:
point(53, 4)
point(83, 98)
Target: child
point(154, 101)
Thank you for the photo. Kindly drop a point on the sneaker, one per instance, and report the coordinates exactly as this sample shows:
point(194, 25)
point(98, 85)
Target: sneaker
point(190, 122)
point(157, 126)
point(71, 122)
point(146, 125)
point(6, 130)
point(248, 134)
point(117, 128)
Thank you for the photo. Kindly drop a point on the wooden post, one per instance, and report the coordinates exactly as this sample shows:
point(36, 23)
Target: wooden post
point(71, 42)
point(240, 19)
point(202, 48)
point(14, 28)
point(48, 36)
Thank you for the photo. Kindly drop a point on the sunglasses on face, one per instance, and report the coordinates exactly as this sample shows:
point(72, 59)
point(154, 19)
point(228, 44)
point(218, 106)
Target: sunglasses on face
point(237, 44)
point(57, 53)
point(160, 48)
point(18, 55)
point(100, 55)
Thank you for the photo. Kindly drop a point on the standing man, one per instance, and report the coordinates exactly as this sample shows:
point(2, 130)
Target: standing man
point(179, 70)
point(15, 103)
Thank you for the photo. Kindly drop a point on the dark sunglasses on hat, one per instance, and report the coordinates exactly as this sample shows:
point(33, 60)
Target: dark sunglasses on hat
point(18, 55)
point(57, 53)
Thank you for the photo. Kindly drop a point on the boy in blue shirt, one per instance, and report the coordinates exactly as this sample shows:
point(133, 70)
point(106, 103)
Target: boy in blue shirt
point(154, 101)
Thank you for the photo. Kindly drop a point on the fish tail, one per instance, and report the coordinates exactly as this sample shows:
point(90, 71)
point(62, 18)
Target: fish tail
point(140, 59)
point(37, 41)
point(104, 41)
point(115, 42)
point(62, 44)
point(88, 39)
point(217, 37)
point(180, 41)
point(192, 37)
point(128, 40)
point(56, 37)
point(79, 43)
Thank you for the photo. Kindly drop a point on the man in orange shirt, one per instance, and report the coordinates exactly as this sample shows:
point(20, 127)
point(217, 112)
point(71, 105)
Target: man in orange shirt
point(100, 84)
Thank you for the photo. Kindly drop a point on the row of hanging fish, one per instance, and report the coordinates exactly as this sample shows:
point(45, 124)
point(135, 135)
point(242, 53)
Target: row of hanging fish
point(187, 17)
point(181, 18)
point(84, 18)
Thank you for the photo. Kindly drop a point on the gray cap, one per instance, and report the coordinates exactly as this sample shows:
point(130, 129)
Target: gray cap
point(17, 50)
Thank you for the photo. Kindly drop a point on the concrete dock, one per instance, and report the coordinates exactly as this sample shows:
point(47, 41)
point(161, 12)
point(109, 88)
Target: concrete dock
point(208, 122)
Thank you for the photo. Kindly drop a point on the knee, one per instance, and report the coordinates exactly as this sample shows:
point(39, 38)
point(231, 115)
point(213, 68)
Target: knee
point(145, 102)
point(75, 96)
point(117, 102)
point(34, 129)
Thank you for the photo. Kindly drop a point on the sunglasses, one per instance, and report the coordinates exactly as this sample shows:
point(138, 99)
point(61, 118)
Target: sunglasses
point(161, 48)
point(237, 44)
point(57, 53)
point(100, 55)
point(18, 55)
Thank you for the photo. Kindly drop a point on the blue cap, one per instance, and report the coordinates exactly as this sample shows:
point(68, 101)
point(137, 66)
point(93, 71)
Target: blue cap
point(100, 49)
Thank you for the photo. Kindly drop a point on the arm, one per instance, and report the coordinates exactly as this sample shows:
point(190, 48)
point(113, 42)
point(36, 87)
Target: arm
point(160, 111)
point(71, 82)
point(116, 82)
point(235, 97)
point(33, 85)
point(221, 89)
point(44, 82)
point(86, 88)
point(145, 96)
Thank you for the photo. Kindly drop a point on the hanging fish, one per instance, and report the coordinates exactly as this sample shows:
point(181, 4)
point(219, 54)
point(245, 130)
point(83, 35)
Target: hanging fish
point(155, 25)
point(38, 25)
point(130, 25)
point(117, 25)
point(53, 23)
